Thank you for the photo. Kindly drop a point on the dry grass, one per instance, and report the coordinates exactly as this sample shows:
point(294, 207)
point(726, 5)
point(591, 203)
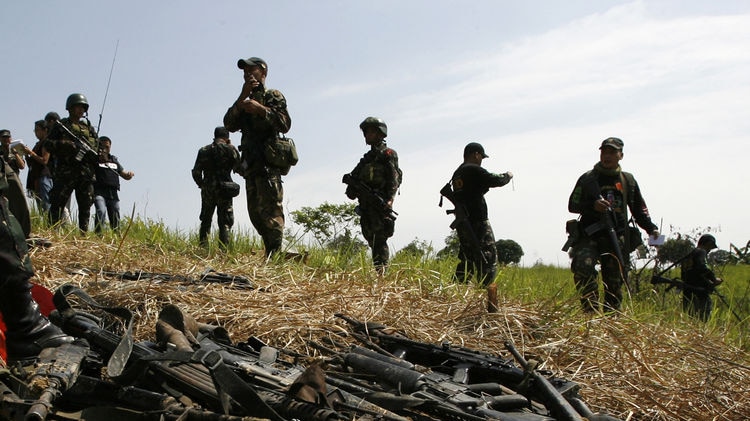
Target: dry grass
point(635, 370)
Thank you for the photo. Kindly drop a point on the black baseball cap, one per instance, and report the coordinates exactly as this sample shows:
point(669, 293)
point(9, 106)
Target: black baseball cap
point(612, 142)
point(252, 61)
point(4, 133)
point(475, 147)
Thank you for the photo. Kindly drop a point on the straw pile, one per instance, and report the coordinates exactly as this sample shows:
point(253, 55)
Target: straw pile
point(632, 370)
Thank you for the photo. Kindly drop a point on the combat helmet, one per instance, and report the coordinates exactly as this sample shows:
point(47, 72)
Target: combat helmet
point(74, 99)
point(707, 239)
point(376, 122)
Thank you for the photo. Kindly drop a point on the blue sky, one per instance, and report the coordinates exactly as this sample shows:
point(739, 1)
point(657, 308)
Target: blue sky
point(539, 83)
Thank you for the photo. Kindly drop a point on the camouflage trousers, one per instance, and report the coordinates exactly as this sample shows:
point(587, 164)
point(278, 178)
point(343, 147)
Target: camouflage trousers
point(265, 194)
point(376, 229)
point(482, 262)
point(586, 254)
point(60, 194)
point(210, 201)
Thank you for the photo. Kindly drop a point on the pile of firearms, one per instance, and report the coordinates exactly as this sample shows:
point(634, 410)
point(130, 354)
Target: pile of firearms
point(194, 372)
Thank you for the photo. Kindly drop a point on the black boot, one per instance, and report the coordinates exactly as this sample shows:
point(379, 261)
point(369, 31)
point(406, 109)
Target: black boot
point(224, 237)
point(28, 332)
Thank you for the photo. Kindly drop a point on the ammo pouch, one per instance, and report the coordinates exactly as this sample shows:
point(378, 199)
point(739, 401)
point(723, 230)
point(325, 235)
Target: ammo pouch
point(573, 229)
point(280, 154)
point(228, 189)
point(634, 239)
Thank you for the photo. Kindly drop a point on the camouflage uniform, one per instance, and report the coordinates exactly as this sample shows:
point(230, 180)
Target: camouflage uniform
point(378, 169)
point(262, 183)
point(597, 247)
point(72, 172)
point(470, 182)
point(14, 192)
point(213, 165)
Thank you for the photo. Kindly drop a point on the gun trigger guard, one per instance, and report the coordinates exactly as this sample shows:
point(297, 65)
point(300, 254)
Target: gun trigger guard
point(210, 359)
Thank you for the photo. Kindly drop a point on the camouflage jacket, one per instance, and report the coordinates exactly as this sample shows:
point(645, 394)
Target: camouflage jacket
point(63, 149)
point(378, 169)
point(14, 252)
point(470, 182)
point(256, 130)
point(613, 185)
point(215, 163)
point(695, 271)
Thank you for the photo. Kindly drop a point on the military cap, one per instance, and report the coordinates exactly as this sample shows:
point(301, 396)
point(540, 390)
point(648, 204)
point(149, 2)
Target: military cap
point(612, 142)
point(221, 132)
point(708, 240)
point(252, 61)
point(475, 147)
point(4, 133)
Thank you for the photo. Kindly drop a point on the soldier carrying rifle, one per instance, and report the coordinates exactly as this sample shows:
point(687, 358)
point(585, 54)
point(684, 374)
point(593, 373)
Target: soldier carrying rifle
point(374, 182)
point(602, 197)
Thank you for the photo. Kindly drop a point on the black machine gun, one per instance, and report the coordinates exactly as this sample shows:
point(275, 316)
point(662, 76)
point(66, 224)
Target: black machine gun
point(461, 222)
point(209, 275)
point(85, 151)
point(370, 195)
point(466, 372)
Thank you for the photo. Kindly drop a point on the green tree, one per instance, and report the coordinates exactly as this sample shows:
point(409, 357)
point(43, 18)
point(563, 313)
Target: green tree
point(508, 251)
point(416, 248)
point(674, 249)
point(451, 246)
point(327, 222)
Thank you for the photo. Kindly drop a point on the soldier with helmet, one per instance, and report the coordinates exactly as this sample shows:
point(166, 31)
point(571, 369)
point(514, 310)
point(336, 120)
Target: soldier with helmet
point(75, 164)
point(699, 278)
point(377, 172)
point(261, 114)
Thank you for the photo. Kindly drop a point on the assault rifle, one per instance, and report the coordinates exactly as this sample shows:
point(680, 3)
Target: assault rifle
point(57, 369)
point(85, 151)
point(209, 275)
point(476, 369)
point(681, 285)
point(370, 195)
point(461, 223)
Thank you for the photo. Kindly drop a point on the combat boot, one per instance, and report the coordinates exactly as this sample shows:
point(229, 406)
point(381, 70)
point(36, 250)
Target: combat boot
point(28, 331)
point(224, 237)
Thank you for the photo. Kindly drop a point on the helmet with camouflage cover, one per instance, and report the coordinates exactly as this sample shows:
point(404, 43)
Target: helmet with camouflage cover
point(74, 99)
point(374, 122)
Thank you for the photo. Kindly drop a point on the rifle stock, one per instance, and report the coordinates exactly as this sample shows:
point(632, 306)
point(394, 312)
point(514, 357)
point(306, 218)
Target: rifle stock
point(370, 195)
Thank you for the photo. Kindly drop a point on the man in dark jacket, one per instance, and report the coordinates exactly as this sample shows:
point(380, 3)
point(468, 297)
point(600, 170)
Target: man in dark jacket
point(470, 182)
point(106, 186)
point(260, 114)
point(211, 172)
point(602, 197)
point(699, 279)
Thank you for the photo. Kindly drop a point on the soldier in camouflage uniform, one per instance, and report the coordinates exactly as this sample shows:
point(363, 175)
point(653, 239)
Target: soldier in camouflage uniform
point(378, 170)
point(14, 163)
point(260, 114)
point(605, 192)
point(28, 332)
point(696, 301)
point(213, 165)
point(470, 182)
point(74, 165)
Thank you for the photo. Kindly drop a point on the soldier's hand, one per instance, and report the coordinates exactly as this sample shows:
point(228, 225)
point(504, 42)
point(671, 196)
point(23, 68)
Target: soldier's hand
point(655, 234)
point(252, 106)
point(718, 281)
point(601, 205)
point(509, 174)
